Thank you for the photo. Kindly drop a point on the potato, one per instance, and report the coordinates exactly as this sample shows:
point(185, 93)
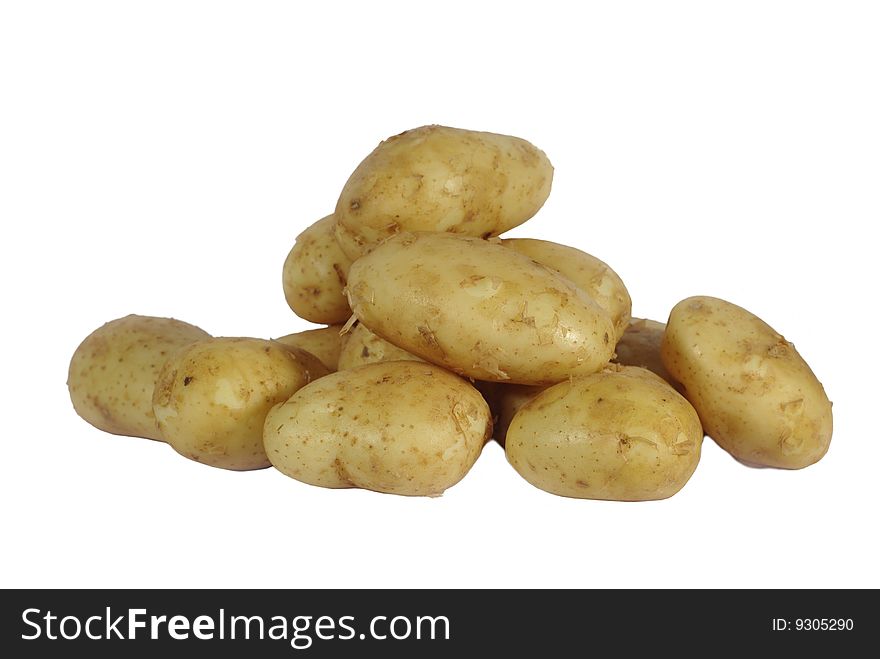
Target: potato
point(113, 372)
point(360, 346)
point(436, 178)
point(595, 277)
point(640, 346)
point(622, 434)
point(213, 396)
point(324, 343)
point(479, 309)
point(314, 275)
point(401, 427)
point(505, 400)
point(756, 396)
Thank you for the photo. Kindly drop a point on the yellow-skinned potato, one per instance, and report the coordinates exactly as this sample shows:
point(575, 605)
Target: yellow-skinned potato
point(756, 396)
point(360, 346)
point(505, 400)
point(640, 346)
point(479, 309)
point(622, 434)
point(436, 178)
point(113, 372)
point(213, 396)
point(595, 277)
point(324, 343)
point(314, 275)
point(399, 427)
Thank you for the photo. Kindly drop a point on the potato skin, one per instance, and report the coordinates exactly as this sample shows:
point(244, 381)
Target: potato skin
point(324, 343)
point(360, 346)
point(399, 427)
point(436, 178)
point(595, 277)
point(114, 370)
point(479, 309)
point(505, 400)
point(640, 346)
point(213, 396)
point(314, 275)
point(756, 396)
point(622, 435)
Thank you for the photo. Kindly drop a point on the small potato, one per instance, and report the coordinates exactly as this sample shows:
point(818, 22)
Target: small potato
point(114, 370)
point(212, 397)
point(622, 434)
point(324, 343)
point(505, 400)
point(756, 396)
point(640, 346)
point(587, 272)
point(314, 275)
point(400, 427)
point(436, 178)
point(360, 346)
point(479, 309)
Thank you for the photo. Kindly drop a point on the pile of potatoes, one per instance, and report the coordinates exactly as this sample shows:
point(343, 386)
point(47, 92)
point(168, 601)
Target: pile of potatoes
point(439, 333)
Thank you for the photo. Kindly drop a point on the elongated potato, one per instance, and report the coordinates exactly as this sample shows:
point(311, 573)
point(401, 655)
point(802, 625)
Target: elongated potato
point(587, 272)
point(436, 178)
point(213, 396)
point(324, 343)
point(314, 275)
point(360, 346)
point(756, 396)
point(640, 346)
point(622, 434)
point(113, 372)
point(479, 309)
point(400, 427)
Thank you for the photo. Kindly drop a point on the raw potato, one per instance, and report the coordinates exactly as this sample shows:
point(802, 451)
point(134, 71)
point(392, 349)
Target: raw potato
point(436, 178)
point(420, 294)
point(640, 346)
point(324, 343)
point(505, 400)
point(360, 346)
point(479, 309)
point(400, 427)
point(113, 372)
point(622, 434)
point(212, 398)
point(315, 273)
point(755, 394)
point(595, 277)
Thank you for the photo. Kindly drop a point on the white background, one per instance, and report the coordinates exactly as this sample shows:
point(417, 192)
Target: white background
point(160, 157)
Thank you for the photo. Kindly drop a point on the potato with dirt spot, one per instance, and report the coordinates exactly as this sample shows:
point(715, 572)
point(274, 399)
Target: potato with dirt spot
point(400, 427)
point(436, 178)
point(640, 346)
point(213, 396)
point(324, 343)
point(623, 434)
point(756, 396)
point(361, 346)
point(114, 370)
point(479, 309)
point(594, 277)
point(314, 275)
